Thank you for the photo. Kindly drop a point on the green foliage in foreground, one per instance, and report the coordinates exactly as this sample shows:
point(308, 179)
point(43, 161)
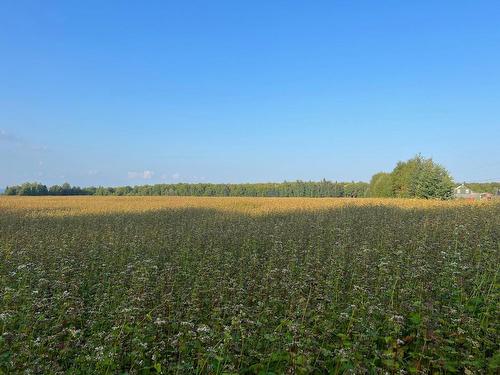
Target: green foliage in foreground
point(358, 288)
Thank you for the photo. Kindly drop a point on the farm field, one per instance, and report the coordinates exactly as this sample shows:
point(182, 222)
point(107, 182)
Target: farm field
point(248, 285)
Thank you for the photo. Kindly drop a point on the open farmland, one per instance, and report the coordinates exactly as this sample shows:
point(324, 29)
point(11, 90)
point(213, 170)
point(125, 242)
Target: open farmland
point(232, 285)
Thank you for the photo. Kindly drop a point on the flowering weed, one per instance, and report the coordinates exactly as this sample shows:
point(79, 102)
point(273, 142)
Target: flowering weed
point(228, 285)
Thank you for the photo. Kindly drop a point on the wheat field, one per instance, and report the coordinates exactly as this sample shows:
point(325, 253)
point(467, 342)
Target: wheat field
point(80, 205)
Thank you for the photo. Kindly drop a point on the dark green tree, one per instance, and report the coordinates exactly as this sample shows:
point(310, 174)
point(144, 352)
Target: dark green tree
point(415, 178)
point(431, 180)
point(381, 185)
point(33, 188)
point(12, 190)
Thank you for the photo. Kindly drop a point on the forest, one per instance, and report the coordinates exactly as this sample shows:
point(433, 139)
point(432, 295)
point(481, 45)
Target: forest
point(285, 189)
point(418, 177)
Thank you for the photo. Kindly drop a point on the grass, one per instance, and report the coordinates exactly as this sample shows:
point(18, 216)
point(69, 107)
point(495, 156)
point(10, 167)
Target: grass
point(248, 285)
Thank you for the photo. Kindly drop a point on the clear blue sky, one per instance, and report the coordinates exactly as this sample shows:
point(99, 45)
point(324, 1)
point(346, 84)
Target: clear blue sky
point(117, 92)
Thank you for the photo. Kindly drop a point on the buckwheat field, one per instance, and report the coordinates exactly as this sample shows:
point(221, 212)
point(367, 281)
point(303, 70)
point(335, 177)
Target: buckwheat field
point(146, 285)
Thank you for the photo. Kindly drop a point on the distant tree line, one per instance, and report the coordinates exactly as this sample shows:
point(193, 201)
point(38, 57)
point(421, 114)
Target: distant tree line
point(485, 187)
point(35, 188)
point(416, 178)
point(322, 188)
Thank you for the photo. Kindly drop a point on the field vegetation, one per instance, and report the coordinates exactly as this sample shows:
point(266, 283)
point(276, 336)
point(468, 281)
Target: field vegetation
point(248, 285)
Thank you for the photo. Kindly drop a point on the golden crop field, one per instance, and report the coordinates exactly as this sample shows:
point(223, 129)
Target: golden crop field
point(146, 285)
point(80, 205)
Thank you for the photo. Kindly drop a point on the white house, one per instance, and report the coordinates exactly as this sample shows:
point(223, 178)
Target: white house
point(463, 191)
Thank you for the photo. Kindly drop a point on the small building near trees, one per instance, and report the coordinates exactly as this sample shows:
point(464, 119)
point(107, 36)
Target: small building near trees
point(464, 192)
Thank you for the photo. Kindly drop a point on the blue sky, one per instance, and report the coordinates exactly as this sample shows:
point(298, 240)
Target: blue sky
point(114, 93)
